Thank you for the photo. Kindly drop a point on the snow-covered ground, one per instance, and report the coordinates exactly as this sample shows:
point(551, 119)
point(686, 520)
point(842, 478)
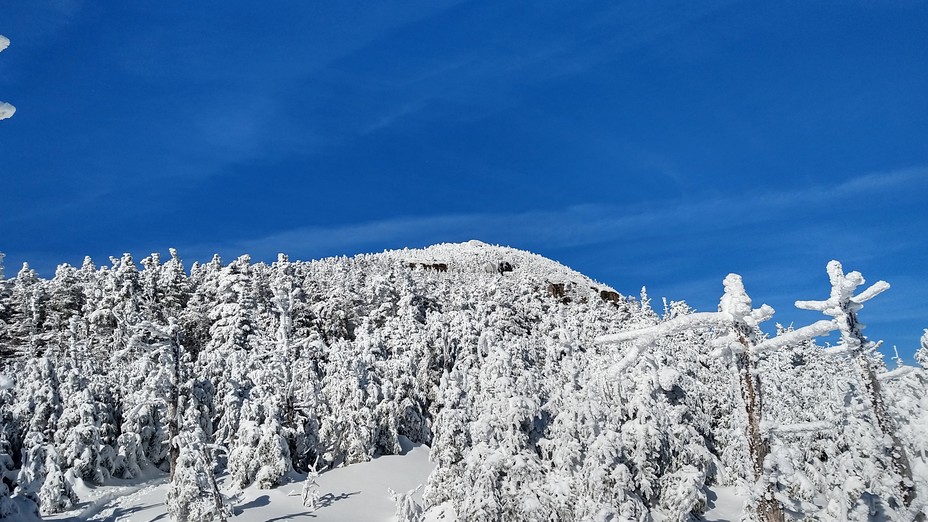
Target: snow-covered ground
point(357, 492)
point(726, 503)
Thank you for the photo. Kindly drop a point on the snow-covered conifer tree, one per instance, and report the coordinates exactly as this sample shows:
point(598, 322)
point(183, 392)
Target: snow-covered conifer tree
point(193, 495)
point(64, 303)
point(407, 509)
point(56, 494)
point(39, 405)
point(226, 357)
point(151, 414)
point(7, 508)
point(79, 440)
point(26, 315)
point(922, 354)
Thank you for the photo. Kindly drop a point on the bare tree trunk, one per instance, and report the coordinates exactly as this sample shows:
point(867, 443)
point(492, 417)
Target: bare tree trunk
point(767, 507)
point(875, 393)
point(843, 307)
point(855, 338)
point(173, 400)
point(217, 496)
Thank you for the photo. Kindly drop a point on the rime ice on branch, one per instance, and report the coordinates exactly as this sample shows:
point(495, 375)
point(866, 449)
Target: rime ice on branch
point(843, 306)
point(735, 314)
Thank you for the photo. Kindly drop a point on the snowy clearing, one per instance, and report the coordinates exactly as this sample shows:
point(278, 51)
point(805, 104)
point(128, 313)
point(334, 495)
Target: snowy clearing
point(356, 492)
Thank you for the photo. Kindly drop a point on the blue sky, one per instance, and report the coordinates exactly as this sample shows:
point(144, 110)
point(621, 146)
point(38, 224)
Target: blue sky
point(642, 143)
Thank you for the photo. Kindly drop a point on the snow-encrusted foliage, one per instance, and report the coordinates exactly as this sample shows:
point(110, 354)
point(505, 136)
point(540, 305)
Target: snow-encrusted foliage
point(193, 496)
point(263, 370)
point(8, 508)
point(922, 354)
point(56, 494)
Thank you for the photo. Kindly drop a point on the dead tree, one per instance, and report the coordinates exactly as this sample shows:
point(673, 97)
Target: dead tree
point(739, 321)
point(174, 399)
point(744, 330)
point(843, 306)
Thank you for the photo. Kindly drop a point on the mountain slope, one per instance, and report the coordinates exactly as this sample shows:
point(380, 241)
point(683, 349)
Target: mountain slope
point(484, 353)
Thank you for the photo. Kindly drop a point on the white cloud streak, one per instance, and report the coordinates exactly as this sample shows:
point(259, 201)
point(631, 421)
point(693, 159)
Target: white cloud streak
point(673, 224)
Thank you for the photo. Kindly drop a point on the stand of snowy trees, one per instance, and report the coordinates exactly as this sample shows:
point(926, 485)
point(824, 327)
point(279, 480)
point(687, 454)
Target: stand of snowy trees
point(542, 394)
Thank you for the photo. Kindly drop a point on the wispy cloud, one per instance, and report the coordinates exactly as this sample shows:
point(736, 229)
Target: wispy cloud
point(740, 219)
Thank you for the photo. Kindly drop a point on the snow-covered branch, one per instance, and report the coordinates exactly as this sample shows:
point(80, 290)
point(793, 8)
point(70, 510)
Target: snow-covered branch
point(675, 325)
point(815, 306)
point(798, 428)
point(819, 328)
point(876, 289)
point(895, 374)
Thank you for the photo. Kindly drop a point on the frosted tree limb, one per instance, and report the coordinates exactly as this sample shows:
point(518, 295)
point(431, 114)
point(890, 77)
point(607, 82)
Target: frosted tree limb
point(676, 325)
point(646, 337)
point(836, 350)
point(816, 329)
point(817, 306)
point(895, 374)
point(876, 289)
point(798, 428)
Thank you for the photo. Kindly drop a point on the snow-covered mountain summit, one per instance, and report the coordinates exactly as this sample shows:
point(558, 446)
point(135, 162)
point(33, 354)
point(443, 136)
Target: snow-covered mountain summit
point(477, 258)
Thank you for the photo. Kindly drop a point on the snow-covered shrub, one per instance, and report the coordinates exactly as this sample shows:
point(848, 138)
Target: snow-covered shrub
point(193, 495)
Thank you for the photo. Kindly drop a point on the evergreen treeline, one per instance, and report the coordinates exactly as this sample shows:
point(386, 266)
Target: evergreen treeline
point(498, 359)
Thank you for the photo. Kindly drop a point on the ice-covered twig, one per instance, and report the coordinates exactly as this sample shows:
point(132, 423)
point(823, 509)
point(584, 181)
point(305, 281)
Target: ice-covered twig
point(836, 350)
point(800, 427)
point(734, 311)
point(646, 337)
point(816, 306)
point(678, 324)
point(816, 329)
point(875, 289)
point(894, 374)
point(843, 305)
